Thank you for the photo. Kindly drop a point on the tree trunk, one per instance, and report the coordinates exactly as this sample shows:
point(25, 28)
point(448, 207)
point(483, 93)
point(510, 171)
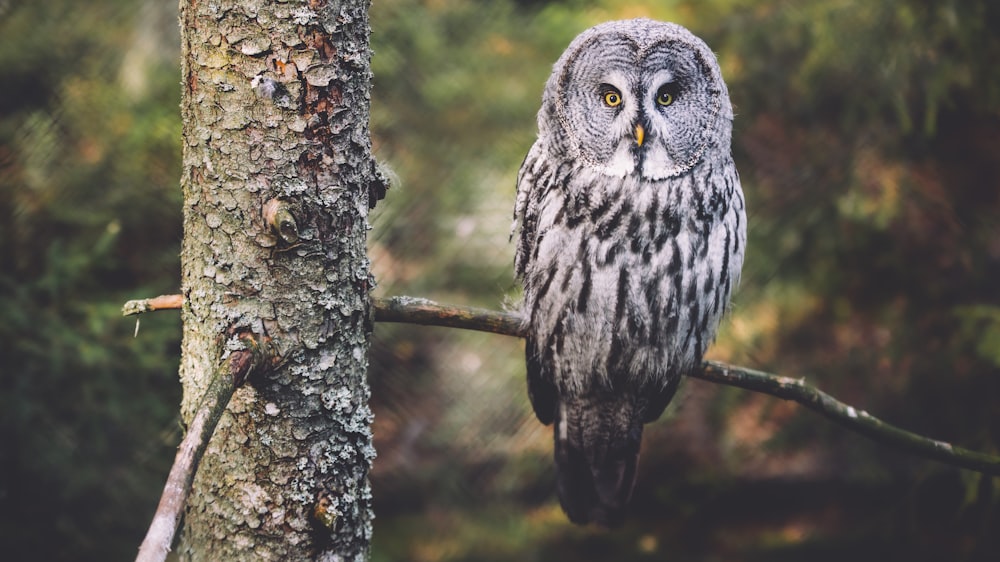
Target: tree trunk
point(276, 175)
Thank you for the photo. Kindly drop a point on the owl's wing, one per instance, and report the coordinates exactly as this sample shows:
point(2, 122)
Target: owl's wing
point(525, 224)
point(531, 184)
point(657, 399)
point(541, 388)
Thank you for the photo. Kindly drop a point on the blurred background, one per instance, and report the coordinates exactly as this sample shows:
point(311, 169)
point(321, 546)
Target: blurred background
point(868, 140)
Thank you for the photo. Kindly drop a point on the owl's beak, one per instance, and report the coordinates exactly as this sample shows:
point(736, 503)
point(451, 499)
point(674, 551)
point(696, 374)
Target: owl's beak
point(640, 134)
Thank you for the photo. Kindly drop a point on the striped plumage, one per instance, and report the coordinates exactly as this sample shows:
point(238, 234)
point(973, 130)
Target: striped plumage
point(628, 253)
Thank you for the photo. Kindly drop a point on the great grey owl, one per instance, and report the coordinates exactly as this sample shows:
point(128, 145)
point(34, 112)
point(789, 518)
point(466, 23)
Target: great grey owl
point(631, 230)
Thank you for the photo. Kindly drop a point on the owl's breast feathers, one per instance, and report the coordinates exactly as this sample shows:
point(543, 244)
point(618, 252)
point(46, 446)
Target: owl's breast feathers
point(625, 280)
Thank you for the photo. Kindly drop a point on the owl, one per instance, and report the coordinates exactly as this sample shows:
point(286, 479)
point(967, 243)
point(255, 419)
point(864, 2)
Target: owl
point(630, 231)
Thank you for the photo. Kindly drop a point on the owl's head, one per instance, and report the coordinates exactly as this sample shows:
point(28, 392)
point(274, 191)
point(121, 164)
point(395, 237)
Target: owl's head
point(637, 97)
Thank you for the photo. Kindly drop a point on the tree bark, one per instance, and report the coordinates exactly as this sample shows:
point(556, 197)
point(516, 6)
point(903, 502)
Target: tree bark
point(277, 170)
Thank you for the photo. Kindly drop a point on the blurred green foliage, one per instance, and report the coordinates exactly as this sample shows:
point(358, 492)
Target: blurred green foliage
point(868, 139)
point(89, 217)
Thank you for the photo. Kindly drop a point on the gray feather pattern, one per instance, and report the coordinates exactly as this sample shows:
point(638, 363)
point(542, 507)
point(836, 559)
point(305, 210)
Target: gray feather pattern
point(628, 251)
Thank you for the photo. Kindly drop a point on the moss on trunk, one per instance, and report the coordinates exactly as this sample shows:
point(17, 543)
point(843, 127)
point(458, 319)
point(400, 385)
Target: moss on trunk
point(275, 107)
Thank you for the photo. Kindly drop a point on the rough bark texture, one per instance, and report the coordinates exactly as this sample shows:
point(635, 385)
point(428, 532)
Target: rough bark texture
point(276, 108)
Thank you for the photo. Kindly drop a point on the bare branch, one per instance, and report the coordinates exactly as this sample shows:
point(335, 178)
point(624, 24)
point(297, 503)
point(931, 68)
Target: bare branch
point(161, 531)
point(856, 420)
point(412, 310)
point(429, 313)
point(422, 311)
point(162, 302)
point(231, 373)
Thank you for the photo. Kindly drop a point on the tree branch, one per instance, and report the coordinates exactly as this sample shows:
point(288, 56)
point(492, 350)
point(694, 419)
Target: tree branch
point(161, 531)
point(230, 374)
point(422, 311)
point(162, 302)
point(411, 310)
point(856, 420)
point(429, 313)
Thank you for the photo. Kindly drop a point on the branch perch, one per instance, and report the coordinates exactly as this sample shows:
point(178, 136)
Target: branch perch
point(856, 420)
point(429, 313)
point(423, 311)
point(411, 310)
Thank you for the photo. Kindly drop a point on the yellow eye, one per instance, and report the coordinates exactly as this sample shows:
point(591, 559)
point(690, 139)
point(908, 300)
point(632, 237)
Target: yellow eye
point(612, 98)
point(664, 97)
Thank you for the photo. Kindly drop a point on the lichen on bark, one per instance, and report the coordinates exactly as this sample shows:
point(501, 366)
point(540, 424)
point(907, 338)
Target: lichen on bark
point(275, 106)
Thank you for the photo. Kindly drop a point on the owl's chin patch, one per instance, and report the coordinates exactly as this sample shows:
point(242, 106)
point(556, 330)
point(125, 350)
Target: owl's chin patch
point(621, 164)
point(656, 164)
point(649, 163)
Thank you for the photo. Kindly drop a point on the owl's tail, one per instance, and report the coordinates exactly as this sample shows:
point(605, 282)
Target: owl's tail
point(596, 452)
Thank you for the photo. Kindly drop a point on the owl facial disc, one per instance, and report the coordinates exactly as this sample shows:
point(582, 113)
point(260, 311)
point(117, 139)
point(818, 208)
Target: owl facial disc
point(637, 98)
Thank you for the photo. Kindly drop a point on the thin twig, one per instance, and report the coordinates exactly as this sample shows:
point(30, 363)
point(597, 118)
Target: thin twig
point(856, 420)
point(161, 532)
point(225, 380)
point(162, 302)
point(422, 311)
